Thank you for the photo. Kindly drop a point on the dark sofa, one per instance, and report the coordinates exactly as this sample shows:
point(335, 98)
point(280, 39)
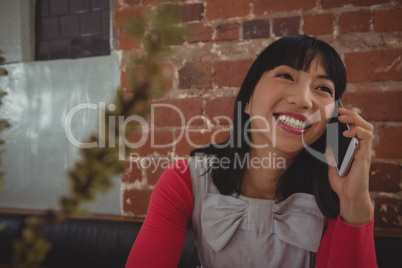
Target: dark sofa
point(107, 243)
point(87, 243)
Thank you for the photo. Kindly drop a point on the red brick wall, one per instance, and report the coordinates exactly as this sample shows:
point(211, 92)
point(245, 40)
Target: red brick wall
point(209, 67)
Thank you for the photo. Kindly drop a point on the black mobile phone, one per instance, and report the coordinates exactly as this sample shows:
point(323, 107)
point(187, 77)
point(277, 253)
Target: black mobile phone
point(343, 148)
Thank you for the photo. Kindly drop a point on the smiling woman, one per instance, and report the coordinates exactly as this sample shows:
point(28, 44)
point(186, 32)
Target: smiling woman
point(299, 214)
point(287, 97)
point(286, 79)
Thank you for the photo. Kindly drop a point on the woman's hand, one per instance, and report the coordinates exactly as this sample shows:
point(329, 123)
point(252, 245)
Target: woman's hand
point(356, 207)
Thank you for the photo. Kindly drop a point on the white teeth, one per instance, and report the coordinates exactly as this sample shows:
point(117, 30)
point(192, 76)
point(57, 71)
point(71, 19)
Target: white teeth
point(292, 122)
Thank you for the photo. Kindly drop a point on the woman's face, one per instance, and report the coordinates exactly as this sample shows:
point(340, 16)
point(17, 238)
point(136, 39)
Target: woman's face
point(290, 108)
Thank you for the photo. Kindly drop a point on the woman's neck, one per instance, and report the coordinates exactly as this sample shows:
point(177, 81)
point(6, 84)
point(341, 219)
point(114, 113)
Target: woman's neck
point(264, 169)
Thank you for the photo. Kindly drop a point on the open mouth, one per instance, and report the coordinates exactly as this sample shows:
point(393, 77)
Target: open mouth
point(292, 122)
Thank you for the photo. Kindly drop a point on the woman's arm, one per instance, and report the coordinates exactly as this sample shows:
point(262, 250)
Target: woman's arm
point(161, 238)
point(347, 246)
point(349, 240)
point(356, 207)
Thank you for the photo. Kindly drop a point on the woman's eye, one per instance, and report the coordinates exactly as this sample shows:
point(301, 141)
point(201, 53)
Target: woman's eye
point(286, 76)
point(325, 89)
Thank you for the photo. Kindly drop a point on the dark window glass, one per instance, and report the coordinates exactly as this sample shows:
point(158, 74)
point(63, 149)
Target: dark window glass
point(70, 29)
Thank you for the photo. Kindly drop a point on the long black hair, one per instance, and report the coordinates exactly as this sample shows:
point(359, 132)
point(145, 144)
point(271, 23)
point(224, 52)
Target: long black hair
point(306, 174)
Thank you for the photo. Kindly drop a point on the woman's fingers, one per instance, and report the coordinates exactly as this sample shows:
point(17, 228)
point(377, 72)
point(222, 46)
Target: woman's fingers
point(361, 129)
point(351, 117)
point(358, 132)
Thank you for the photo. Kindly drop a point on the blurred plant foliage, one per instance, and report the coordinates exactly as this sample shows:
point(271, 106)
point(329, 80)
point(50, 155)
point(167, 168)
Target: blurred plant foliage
point(155, 30)
point(3, 123)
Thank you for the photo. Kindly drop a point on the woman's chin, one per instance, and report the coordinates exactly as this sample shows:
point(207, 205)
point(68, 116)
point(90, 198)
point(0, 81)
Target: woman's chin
point(290, 148)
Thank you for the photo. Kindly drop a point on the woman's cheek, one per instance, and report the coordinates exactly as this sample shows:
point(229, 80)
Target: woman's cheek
point(329, 110)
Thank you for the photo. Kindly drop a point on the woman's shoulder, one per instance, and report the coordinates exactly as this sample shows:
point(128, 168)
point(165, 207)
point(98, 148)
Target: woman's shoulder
point(176, 178)
point(171, 200)
point(172, 196)
point(180, 165)
point(178, 170)
point(183, 169)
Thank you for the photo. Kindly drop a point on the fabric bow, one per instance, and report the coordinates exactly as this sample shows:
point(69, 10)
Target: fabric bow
point(297, 220)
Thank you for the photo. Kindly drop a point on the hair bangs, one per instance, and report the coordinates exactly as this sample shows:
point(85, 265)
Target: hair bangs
point(299, 51)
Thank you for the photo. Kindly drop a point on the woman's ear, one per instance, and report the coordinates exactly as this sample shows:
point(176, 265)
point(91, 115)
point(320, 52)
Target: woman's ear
point(247, 108)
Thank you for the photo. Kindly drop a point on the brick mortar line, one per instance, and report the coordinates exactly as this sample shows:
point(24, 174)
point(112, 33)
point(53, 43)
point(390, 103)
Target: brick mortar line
point(394, 195)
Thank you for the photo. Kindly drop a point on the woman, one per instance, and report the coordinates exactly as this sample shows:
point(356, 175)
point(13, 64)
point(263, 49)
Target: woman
point(246, 213)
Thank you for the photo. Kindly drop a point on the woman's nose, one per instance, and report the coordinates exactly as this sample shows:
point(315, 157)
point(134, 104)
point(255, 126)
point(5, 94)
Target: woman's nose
point(301, 97)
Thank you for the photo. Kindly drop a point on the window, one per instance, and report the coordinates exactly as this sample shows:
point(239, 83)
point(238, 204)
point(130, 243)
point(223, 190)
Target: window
point(70, 29)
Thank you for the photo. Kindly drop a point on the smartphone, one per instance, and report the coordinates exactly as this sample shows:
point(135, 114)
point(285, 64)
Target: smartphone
point(343, 148)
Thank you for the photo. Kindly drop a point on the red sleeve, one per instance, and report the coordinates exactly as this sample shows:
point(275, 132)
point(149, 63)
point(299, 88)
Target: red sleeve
point(161, 238)
point(347, 246)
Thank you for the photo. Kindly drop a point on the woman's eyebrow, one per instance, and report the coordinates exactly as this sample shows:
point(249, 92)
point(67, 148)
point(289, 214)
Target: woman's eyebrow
point(324, 76)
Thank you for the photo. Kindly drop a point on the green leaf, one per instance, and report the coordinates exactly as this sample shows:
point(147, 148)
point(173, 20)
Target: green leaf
point(3, 225)
point(135, 27)
point(3, 72)
point(4, 124)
